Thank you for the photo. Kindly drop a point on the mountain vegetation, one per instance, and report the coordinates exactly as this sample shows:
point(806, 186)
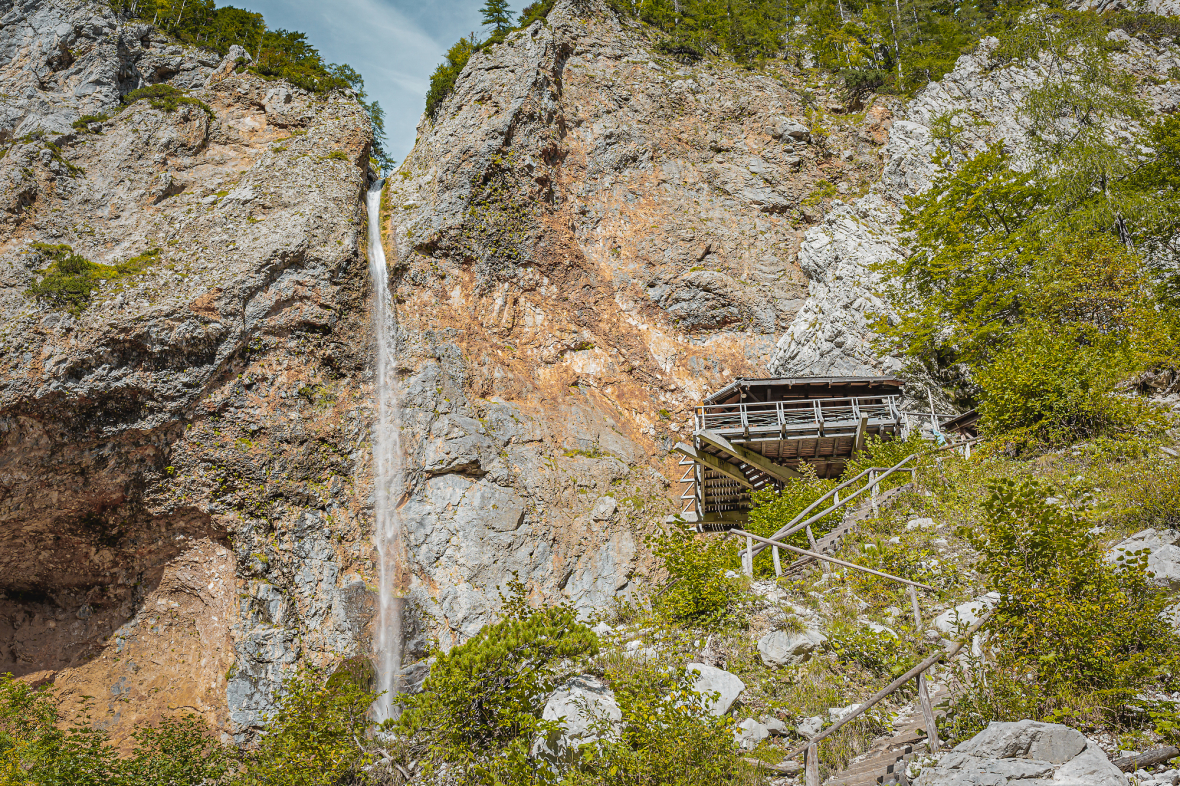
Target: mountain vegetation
point(1043, 284)
point(276, 54)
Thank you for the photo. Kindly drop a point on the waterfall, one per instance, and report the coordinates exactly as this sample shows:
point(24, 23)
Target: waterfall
point(388, 480)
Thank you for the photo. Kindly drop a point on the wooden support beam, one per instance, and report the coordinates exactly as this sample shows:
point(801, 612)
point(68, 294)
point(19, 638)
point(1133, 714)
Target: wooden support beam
point(861, 428)
point(713, 463)
point(755, 460)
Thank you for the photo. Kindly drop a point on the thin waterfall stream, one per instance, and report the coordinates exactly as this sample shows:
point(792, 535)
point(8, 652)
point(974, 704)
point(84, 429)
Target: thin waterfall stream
point(388, 476)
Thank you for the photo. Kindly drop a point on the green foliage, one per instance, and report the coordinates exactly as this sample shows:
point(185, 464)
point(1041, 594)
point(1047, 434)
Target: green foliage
point(880, 653)
point(772, 509)
point(479, 710)
point(442, 82)
point(1071, 253)
point(497, 14)
point(36, 751)
point(697, 590)
point(668, 738)
point(165, 98)
point(277, 54)
point(69, 280)
point(313, 739)
point(535, 11)
point(744, 30)
point(1047, 387)
point(83, 123)
point(177, 752)
point(1072, 634)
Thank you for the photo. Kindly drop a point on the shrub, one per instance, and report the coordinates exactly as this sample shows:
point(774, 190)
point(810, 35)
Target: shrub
point(166, 98)
point(69, 281)
point(668, 738)
point(479, 710)
point(1047, 386)
point(36, 751)
point(313, 739)
point(1071, 633)
point(442, 81)
point(697, 589)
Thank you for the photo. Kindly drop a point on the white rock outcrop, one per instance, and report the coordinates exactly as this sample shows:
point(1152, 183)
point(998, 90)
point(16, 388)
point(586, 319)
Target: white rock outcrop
point(583, 705)
point(784, 648)
point(1163, 554)
point(708, 680)
point(1025, 753)
point(965, 615)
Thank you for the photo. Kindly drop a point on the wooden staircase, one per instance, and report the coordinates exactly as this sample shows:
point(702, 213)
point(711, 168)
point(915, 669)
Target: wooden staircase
point(885, 761)
point(830, 543)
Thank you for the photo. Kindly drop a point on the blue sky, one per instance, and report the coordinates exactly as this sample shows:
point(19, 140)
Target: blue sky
point(395, 44)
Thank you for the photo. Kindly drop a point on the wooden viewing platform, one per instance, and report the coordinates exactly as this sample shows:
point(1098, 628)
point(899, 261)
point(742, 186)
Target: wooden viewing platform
point(753, 434)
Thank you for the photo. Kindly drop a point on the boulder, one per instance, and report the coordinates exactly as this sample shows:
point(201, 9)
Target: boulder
point(792, 129)
point(1024, 753)
point(710, 679)
point(774, 725)
point(582, 704)
point(604, 509)
point(781, 648)
point(1163, 558)
point(965, 615)
point(749, 733)
point(809, 727)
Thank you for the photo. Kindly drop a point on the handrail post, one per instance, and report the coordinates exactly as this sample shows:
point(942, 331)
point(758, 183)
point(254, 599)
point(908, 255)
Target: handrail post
point(782, 421)
point(745, 420)
point(812, 765)
point(928, 714)
point(917, 611)
point(778, 566)
point(873, 491)
point(749, 556)
point(815, 547)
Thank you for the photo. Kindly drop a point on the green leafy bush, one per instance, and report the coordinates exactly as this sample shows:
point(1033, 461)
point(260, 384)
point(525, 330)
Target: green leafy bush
point(314, 738)
point(697, 589)
point(1073, 636)
point(479, 710)
point(165, 98)
point(668, 738)
point(1047, 387)
point(69, 280)
point(442, 81)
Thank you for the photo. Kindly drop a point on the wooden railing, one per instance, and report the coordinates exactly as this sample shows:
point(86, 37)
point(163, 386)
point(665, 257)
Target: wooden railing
point(786, 417)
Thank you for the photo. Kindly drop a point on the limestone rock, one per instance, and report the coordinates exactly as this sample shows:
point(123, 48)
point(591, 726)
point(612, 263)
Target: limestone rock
point(749, 733)
point(582, 705)
point(809, 727)
point(783, 648)
point(1163, 559)
point(712, 680)
point(963, 616)
point(1025, 752)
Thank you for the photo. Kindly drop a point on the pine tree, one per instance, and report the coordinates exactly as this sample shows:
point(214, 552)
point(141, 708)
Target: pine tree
point(495, 12)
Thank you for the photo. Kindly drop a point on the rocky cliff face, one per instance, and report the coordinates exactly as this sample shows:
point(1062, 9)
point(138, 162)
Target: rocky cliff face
point(832, 333)
point(589, 237)
point(584, 241)
point(183, 481)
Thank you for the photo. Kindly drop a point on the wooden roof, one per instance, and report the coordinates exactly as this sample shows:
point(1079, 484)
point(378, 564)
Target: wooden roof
point(786, 388)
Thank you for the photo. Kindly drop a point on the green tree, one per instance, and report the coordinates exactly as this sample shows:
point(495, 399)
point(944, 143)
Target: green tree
point(480, 709)
point(313, 739)
point(442, 82)
point(698, 590)
point(497, 14)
